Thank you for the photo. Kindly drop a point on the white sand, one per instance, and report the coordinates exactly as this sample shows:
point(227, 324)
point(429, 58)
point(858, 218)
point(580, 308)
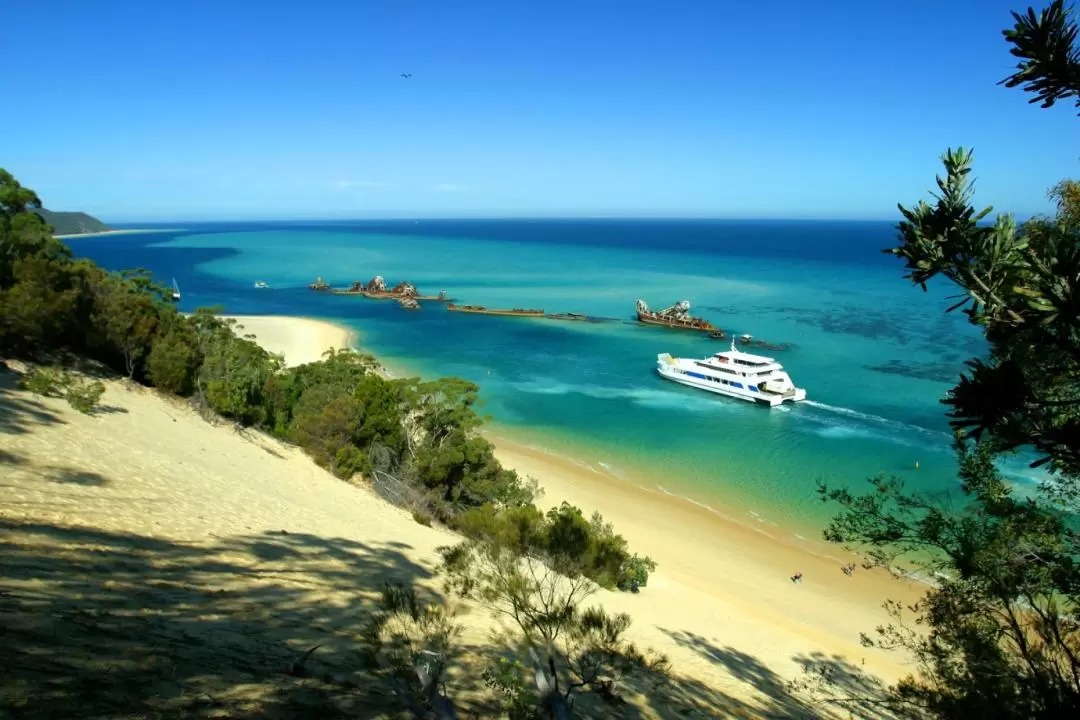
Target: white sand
point(299, 340)
point(721, 605)
point(722, 581)
point(116, 232)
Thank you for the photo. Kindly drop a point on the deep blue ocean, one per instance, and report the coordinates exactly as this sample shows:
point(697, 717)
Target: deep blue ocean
point(874, 353)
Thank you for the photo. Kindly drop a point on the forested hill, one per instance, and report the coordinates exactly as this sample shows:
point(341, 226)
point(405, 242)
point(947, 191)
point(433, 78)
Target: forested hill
point(72, 223)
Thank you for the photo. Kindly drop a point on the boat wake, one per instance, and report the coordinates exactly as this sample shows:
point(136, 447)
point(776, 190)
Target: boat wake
point(842, 422)
point(652, 398)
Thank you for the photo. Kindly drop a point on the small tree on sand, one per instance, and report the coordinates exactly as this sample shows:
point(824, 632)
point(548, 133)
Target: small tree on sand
point(411, 645)
point(569, 649)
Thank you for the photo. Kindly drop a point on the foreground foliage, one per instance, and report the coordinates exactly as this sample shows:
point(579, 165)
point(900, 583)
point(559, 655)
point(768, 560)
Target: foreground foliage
point(998, 636)
point(570, 648)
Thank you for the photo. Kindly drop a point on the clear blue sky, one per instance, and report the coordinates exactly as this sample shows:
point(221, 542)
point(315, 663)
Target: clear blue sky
point(238, 109)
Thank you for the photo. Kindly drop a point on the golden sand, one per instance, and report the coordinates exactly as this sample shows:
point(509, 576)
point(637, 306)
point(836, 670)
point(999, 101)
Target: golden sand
point(146, 540)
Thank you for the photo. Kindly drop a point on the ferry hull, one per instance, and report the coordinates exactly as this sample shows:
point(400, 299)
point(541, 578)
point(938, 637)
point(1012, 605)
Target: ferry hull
point(667, 372)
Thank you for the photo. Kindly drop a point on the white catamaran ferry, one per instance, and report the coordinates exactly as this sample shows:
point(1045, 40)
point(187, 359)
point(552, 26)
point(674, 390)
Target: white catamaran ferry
point(733, 373)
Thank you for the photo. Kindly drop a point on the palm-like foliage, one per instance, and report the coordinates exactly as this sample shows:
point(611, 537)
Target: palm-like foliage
point(1049, 66)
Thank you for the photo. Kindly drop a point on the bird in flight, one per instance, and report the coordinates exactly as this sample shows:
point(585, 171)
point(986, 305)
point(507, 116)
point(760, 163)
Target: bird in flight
point(406, 75)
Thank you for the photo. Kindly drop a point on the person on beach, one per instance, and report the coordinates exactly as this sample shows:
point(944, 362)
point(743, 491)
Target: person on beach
point(796, 578)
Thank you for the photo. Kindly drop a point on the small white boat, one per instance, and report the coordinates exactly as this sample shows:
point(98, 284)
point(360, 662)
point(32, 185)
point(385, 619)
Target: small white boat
point(260, 284)
point(175, 291)
point(734, 373)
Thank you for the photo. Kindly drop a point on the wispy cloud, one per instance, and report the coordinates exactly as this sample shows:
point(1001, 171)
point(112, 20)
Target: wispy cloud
point(365, 184)
point(450, 188)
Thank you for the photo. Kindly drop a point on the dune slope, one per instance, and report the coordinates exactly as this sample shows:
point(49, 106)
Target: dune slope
point(153, 564)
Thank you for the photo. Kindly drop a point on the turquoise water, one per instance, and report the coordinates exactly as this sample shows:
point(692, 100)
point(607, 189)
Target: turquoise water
point(874, 354)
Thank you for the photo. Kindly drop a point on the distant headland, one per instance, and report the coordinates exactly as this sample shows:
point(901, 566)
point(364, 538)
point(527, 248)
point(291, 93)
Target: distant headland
point(71, 224)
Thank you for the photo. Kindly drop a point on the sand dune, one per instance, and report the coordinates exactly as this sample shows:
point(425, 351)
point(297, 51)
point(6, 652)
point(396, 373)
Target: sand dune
point(200, 558)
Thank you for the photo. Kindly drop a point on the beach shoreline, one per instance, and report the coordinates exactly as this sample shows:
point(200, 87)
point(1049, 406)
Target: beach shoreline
point(103, 233)
point(716, 564)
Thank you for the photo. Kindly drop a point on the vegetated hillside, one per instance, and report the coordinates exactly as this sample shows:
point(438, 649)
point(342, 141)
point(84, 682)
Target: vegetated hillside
point(72, 223)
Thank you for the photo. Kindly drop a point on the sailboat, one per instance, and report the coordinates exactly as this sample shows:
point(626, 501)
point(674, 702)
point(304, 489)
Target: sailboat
point(175, 291)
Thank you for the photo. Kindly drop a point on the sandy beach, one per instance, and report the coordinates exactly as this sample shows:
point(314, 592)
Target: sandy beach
point(115, 232)
point(148, 538)
point(298, 340)
point(723, 580)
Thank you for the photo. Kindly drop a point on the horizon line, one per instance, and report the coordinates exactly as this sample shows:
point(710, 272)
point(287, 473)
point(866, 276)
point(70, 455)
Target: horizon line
point(504, 218)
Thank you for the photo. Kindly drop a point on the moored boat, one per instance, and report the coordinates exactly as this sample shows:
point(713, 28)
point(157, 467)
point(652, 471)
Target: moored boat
point(261, 284)
point(319, 285)
point(734, 373)
point(677, 316)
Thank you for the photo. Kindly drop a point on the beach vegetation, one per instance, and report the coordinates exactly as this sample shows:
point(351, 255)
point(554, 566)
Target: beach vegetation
point(997, 634)
point(82, 394)
point(412, 644)
point(423, 437)
point(564, 538)
point(172, 362)
point(45, 381)
point(570, 648)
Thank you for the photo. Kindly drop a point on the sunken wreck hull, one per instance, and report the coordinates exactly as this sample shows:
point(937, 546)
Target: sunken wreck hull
point(389, 295)
point(695, 324)
point(481, 310)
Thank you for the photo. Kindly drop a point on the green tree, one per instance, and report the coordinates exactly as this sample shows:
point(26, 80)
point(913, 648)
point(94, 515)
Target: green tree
point(570, 648)
point(997, 636)
point(412, 644)
point(127, 318)
point(173, 361)
point(234, 370)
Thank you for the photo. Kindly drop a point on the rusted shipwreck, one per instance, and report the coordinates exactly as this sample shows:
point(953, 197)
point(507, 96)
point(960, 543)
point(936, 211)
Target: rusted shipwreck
point(677, 316)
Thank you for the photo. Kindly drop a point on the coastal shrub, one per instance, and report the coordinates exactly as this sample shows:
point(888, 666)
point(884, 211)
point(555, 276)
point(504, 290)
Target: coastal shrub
point(996, 635)
point(126, 318)
point(461, 469)
point(422, 517)
point(349, 461)
point(517, 696)
point(46, 381)
point(324, 423)
point(521, 528)
point(172, 363)
point(380, 419)
point(233, 374)
point(634, 572)
point(411, 644)
point(562, 538)
point(84, 395)
point(571, 648)
point(36, 311)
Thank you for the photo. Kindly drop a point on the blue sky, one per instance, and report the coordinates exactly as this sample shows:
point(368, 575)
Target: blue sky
point(244, 110)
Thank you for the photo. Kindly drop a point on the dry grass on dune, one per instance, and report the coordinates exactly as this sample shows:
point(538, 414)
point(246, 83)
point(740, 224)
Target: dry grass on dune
point(153, 565)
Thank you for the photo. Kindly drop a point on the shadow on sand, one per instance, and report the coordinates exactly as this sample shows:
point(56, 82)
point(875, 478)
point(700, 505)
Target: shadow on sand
point(100, 624)
point(127, 626)
point(21, 411)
